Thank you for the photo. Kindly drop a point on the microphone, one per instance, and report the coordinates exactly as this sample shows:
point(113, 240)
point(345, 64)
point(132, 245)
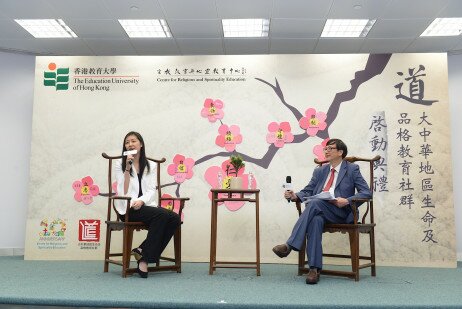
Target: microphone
point(130, 152)
point(288, 185)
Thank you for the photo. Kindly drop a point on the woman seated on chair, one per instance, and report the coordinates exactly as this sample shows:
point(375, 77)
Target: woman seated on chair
point(137, 179)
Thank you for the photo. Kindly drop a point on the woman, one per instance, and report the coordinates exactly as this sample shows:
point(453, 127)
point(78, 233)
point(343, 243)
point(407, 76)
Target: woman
point(137, 179)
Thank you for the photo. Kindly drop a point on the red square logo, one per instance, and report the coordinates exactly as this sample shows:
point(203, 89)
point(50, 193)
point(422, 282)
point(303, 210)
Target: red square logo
point(89, 230)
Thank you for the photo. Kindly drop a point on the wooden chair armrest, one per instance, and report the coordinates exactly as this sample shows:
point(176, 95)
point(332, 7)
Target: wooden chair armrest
point(127, 198)
point(174, 198)
point(362, 200)
point(181, 199)
point(355, 210)
point(123, 198)
point(298, 204)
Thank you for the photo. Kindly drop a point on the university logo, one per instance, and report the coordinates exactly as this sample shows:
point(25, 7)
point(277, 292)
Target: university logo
point(89, 230)
point(56, 77)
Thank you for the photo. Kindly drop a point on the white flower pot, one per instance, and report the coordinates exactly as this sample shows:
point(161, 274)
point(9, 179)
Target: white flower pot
point(235, 183)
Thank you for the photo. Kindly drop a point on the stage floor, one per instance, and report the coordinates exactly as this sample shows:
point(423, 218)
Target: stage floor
point(83, 284)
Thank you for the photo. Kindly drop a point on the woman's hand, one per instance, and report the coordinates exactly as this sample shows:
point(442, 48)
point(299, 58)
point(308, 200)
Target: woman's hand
point(129, 161)
point(137, 204)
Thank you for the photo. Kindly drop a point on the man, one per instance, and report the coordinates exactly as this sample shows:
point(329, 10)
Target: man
point(341, 179)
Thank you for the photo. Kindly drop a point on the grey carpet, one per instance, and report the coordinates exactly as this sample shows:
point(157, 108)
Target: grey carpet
point(83, 283)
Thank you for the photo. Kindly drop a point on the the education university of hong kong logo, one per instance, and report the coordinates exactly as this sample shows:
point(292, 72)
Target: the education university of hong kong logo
point(56, 77)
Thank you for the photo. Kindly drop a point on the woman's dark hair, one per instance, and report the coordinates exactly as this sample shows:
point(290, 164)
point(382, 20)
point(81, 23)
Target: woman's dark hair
point(340, 145)
point(143, 161)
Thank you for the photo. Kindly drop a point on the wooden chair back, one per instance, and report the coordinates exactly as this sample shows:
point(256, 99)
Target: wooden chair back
point(369, 202)
point(110, 181)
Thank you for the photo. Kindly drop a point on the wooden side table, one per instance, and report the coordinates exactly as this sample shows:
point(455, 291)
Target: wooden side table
point(227, 195)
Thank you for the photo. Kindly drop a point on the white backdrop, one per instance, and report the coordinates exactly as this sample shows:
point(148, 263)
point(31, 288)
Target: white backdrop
point(74, 126)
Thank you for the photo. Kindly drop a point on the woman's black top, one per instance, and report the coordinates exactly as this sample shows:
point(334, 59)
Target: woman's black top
point(140, 192)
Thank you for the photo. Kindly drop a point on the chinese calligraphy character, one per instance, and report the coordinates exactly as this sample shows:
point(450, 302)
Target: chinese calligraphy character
point(425, 133)
point(378, 144)
point(404, 119)
point(403, 135)
point(425, 150)
point(404, 151)
point(381, 183)
point(405, 186)
point(428, 217)
point(429, 236)
point(427, 168)
point(424, 119)
point(405, 166)
point(416, 87)
point(427, 184)
point(378, 123)
point(380, 164)
point(407, 200)
point(427, 202)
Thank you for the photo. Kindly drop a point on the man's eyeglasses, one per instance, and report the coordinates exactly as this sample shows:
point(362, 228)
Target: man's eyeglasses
point(328, 148)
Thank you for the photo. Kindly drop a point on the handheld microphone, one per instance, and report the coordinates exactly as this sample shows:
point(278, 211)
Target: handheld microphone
point(288, 185)
point(130, 152)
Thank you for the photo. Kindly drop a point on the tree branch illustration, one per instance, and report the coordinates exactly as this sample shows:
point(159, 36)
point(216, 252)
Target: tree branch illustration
point(279, 93)
point(375, 65)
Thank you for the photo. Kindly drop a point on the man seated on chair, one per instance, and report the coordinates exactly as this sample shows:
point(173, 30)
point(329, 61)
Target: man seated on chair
point(342, 179)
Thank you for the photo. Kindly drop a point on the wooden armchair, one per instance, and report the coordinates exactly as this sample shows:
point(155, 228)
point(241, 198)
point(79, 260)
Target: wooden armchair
point(354, 230)
point(114, 224)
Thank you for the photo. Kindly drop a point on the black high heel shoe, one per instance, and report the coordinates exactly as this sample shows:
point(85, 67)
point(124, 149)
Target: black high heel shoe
point(143, 274)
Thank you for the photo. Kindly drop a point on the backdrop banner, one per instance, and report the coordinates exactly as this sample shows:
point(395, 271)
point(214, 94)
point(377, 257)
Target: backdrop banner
point(278, 112)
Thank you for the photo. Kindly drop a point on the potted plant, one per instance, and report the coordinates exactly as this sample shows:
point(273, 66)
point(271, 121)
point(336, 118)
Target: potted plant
point(237, 162)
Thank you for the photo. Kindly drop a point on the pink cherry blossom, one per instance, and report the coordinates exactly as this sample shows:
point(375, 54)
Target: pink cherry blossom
point(85, 190)
point(229, 137)
point(313, 122)
point(318, 150)
point(225, 172)
point(171, 205)
point(279, 134)
point(213, 109)
point(181, 169)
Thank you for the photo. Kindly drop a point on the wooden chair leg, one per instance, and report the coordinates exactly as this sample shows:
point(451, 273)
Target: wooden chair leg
point(177, 249)
point(107, 249)
point(301, 260)
point(126, 248)
point(354, 247)
point(372, 246)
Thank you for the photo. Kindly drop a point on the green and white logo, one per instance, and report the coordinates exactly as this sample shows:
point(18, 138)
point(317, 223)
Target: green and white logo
point(56, 77)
